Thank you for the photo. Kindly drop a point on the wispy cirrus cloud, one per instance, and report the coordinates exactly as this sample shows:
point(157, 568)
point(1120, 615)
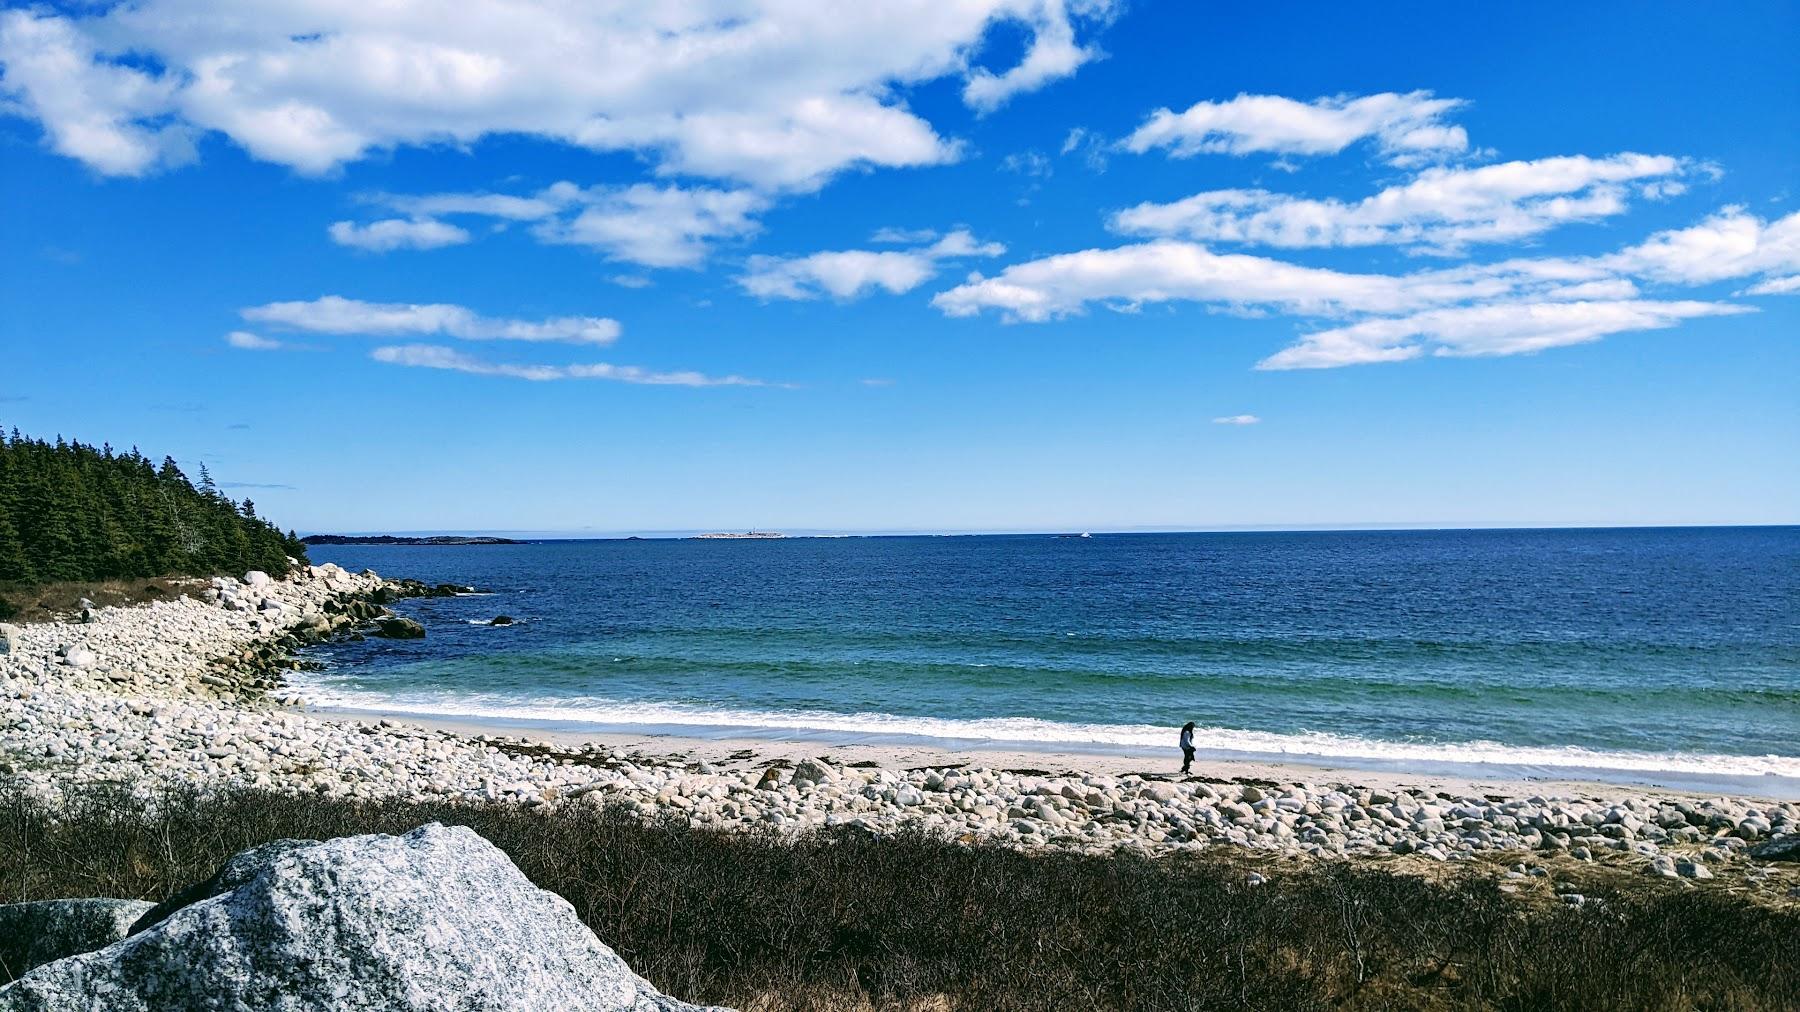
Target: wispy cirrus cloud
point(1403, 127)
point(1168, 270)
point(850, 274)
point(1237, 420)
point(334, 314)
point(1441, 210)
point(1789, 285)
point(644, 224)
point(429, 356)
point(397, 233)
point(1511, 328)
point(244, 340)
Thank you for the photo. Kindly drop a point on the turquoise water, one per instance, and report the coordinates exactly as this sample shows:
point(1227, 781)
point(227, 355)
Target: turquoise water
point(1669, 655)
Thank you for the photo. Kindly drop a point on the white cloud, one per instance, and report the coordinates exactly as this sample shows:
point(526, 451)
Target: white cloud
point(107, 115)
point(1789, 285)
point(490, 205)
point(1440, 210)
point(247, 341)
point(1052, 55)
point(1168, 270)
point(397, 233)
point(1730, 244)
point(334, 314)
point(904, 236)
point(432, 356)
point(1027, 163)
point(770, 93)
point(848, 274)
point(1237, 420)
point(653, 226)
point(1090, 145)
point(1502, 329)
point(845, 274)
point(1404, 127)
point(1509, 307)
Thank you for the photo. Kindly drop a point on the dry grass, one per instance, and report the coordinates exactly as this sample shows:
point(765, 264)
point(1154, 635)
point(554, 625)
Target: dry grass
point(45, 602)
point(842, 921)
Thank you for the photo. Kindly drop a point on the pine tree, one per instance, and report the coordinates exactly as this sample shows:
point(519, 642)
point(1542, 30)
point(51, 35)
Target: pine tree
point(69, 511)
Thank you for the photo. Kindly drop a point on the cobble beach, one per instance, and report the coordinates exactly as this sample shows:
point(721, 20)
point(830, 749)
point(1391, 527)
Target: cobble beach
point(179, 692)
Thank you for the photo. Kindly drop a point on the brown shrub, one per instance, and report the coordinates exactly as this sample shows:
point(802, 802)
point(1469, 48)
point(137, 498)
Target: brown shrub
point(839, 920)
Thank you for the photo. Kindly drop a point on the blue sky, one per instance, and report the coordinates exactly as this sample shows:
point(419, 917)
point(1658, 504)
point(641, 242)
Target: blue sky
point(1000, 265)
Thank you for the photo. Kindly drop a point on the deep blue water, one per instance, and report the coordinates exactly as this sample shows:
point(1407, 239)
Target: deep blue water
point(1661, 651)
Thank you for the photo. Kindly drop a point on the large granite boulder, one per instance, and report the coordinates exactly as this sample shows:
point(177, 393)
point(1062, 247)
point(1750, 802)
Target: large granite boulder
point(32, 934)
point(237, 870)
point(436, 919)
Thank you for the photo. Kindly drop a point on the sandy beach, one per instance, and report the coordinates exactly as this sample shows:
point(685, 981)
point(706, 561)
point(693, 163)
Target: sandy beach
point(748, 753)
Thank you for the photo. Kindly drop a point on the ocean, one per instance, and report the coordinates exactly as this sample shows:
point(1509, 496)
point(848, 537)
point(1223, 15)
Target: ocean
point(1667, 655)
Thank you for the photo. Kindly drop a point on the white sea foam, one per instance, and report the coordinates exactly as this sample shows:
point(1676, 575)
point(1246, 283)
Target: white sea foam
point(1034, 734)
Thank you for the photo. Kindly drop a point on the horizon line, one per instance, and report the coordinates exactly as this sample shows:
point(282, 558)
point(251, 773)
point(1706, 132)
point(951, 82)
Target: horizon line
point(676, 534)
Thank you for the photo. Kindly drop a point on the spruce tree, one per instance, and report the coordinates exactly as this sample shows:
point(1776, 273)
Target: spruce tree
point(69, 511)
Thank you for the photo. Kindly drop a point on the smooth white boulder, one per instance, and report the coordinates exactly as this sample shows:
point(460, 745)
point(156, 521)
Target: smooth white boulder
point(436, 919)
point(257, 578)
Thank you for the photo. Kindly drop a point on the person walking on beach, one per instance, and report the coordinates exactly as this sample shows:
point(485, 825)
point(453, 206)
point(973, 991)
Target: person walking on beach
point(1187, 746)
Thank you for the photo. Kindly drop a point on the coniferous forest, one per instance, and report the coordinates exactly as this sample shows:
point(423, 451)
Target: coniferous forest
point(74, 512)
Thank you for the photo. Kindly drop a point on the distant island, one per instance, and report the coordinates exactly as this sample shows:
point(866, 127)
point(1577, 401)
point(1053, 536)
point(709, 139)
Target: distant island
point(389, 539)
point(725, 536)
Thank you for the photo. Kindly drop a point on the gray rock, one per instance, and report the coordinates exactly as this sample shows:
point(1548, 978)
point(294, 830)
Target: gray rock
point(1692, 869)
point(812, 771)
point(1782, 848)
point(9, 635)
point(397, 628)
point(32, 934)
point(237, 870)
point(435, 919)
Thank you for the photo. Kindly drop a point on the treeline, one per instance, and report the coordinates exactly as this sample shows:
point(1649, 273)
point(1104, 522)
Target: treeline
point(75, 512)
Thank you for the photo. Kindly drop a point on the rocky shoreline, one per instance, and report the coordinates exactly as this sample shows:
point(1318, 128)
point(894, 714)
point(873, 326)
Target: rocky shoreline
point(190, 691)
